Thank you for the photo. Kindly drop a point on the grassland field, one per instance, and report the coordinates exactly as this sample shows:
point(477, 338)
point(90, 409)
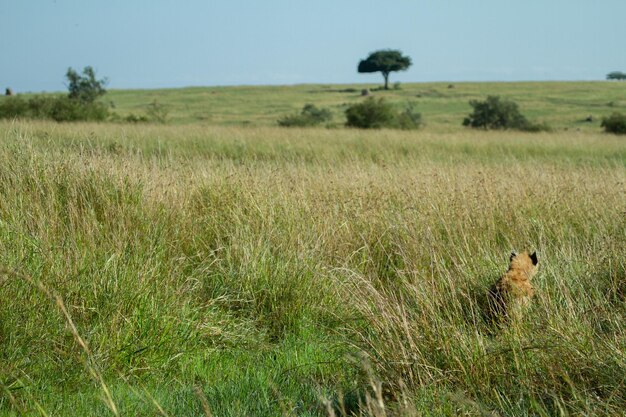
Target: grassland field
point(221, 265)
point(559, 104)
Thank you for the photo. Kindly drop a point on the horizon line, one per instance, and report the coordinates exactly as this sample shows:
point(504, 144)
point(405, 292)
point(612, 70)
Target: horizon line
point(325, 83)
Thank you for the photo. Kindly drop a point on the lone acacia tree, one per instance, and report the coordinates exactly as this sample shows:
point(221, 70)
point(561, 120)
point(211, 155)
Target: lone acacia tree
point(616, 75)
point(385, 61)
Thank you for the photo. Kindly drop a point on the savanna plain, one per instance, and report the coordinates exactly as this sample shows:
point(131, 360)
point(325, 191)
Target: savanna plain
point(221, 265)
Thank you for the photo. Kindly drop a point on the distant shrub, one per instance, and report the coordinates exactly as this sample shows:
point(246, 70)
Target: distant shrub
point(40, 107)
point(60, 109)
point(615, 123)
point(13, 107)
point(133, 118)
point(371, 114)
point(409, 119)
point(79, 104)
point(154, 112)
point(63, 109)
point(157, 112)
point(309, 116)
point(494, 113)
point(377, 113)
point(536, 127)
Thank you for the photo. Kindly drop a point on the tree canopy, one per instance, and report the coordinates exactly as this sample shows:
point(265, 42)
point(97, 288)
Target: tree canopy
point(616, 75)
point(85, 88)
point(385, 61)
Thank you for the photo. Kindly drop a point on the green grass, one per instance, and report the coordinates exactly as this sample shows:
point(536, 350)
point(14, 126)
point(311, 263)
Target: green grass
point(562, 105)
point(155, 270)
point(559, 104)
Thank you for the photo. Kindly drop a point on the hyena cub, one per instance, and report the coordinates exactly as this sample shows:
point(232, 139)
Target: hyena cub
point(513, 291)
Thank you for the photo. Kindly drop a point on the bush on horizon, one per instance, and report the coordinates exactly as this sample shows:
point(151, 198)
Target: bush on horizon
point(79, 105)
point(615, 123)
point(496, 113)
point(310, 115)
point(377, 113)
point(60, 109)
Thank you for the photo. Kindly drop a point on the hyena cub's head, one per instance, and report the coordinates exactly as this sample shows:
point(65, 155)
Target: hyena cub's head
point(524, 263)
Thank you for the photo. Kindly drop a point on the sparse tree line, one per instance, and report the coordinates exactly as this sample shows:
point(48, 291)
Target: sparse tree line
point(492, 113)
point(371, 113)
point(81, 104)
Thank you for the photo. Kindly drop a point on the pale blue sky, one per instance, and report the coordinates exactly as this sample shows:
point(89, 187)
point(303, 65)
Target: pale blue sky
point(173, 43)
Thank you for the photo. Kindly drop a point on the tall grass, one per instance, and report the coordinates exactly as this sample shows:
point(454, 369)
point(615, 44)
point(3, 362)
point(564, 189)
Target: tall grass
point(240, 271)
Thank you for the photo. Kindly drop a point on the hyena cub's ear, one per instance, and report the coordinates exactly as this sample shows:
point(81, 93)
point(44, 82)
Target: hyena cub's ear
point(533, 258)
point(513, 255)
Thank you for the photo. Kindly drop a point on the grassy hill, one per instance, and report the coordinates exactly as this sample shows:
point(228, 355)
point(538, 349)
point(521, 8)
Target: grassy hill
point(560, 104)
point(205, 267)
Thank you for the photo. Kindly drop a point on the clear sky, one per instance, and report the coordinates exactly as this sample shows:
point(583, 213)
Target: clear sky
point(174, 43)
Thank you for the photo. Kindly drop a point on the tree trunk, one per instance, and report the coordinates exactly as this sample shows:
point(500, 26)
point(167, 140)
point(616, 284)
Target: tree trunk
point(386, 75)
